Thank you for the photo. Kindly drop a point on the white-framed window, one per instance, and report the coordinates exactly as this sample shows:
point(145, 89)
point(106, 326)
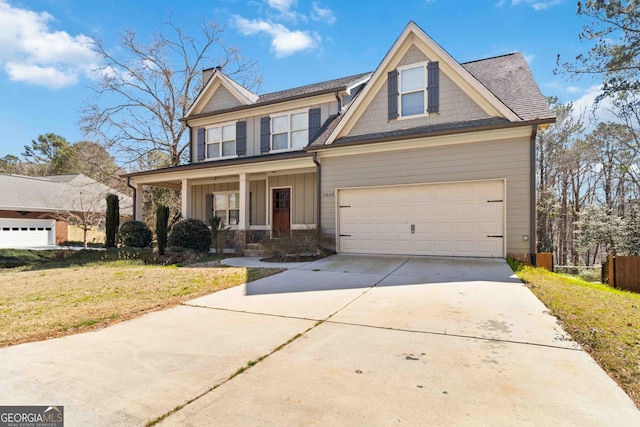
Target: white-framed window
point(226, 205)
point(221, 141)
point(412, 85)
point(289, 131)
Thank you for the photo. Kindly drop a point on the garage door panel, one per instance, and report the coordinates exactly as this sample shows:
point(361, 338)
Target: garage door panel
point(448, 219)
point(21, 233)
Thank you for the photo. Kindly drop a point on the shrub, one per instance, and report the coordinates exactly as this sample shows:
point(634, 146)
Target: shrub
point(191, 233)
point(162, 223)
point(218, 233)
point(135, 234)
point(112, 220)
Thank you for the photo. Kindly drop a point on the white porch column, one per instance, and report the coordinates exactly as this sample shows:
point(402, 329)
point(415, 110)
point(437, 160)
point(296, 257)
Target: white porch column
point(186, 198)
point(137, 209)
point(243, 221)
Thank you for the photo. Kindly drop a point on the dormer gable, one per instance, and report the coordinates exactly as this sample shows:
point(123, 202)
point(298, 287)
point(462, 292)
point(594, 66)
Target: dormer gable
point(420, 73)
point(220, 92)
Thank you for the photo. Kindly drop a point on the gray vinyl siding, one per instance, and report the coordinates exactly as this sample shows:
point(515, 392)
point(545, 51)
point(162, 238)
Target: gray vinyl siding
point(472, 161)
point(303, 196)
point(454, 105)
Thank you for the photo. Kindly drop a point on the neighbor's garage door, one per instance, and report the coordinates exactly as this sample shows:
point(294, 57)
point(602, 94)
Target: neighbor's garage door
point(450, 219)
point(20, 233)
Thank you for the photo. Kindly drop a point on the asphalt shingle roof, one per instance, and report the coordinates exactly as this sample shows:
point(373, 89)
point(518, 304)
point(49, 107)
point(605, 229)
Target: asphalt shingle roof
point(56, 194)
point(424, 130)
point(329, 85)
point(509, 78)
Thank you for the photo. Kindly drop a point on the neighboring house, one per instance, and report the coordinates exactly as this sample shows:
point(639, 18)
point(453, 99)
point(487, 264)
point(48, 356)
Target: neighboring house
point(424, 156)
point(32, 209)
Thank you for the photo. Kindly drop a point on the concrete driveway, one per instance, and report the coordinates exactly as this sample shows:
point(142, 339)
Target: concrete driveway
point(347, 340)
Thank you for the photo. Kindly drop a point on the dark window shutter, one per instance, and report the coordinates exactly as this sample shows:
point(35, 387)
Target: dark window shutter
point(201, 132)
point(392, 89)
point(241, 138)
point(314, 123)
point(433, 87)
point(208, 209)
point(265, 134)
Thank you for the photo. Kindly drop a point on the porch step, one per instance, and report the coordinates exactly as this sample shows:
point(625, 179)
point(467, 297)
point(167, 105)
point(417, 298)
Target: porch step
point(254, 249)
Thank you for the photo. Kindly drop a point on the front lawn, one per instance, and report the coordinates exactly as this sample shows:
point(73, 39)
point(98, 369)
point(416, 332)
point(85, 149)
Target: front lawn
point(78, 293)
point(605, 321)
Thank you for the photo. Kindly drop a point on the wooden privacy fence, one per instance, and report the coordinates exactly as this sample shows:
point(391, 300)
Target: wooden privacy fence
point(622, 272)
point(544, 260)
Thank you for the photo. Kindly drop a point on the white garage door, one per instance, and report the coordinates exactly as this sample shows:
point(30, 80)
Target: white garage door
point(21, 233)
point(449, 219)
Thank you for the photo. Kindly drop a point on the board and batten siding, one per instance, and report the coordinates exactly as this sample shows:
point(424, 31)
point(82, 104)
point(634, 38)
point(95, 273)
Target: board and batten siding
point(507, 159)
point(303, 196)
point(258, 199)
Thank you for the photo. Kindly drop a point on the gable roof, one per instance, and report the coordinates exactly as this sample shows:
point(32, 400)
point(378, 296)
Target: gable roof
point(329, 86)
point(57, 193)
point(414, 35)
point(509, 78)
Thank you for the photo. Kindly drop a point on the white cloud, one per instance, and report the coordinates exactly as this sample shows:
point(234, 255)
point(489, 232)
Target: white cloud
point(284, 9)
point(529, 57)
point(535, 4)
point(281, 5)
point(322, 14)
point(584, 106)
point(284, 41)
point(31, 52)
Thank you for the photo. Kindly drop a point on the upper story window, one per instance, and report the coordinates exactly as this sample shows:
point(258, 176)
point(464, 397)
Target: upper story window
point(221, 141)
point(290, 130)
point(412, 90)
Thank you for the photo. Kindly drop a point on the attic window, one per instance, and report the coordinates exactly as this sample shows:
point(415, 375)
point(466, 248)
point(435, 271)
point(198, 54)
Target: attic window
point(412, 90)
point(221, 141)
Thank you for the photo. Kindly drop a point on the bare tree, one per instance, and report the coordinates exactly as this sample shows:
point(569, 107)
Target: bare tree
point(145, 90)
point(86, 211)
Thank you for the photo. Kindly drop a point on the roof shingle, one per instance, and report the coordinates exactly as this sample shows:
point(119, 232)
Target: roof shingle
point(508, 77)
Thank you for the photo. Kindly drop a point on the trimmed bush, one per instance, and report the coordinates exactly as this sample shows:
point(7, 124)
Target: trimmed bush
point(112, 220)
point(162, 225)
point(135, 234)
point(190, 233)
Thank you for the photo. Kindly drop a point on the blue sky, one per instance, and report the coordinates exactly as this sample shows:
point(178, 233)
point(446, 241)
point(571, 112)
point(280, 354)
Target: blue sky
point(46, 67)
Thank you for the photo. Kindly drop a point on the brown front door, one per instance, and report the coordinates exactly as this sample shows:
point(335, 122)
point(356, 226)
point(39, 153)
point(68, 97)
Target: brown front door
point(281, 211)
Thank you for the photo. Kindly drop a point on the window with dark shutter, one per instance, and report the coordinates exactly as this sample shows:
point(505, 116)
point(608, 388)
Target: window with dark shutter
point(265, 134)
point(201, 132)
point(241, 138)
point(208, 206)
point(314, 123)
point(392, 89)
point(433, 87)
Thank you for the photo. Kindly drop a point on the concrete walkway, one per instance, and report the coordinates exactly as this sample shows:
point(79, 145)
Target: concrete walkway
point(346, 340)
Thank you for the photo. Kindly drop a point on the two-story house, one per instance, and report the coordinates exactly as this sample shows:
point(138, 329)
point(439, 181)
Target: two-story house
point(423, 156)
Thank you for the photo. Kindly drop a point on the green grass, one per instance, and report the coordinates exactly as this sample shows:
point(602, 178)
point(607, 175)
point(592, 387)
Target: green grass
point(604, 320)
point(28, 259)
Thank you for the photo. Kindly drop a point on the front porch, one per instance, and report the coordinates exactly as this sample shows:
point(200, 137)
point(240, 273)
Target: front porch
point(254, 199)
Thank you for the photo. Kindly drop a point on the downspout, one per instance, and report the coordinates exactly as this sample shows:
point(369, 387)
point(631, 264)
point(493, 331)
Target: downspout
point(318, 190)
point(135, 194)
point(532, 195)
point(190, 144)
point(339, 102)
